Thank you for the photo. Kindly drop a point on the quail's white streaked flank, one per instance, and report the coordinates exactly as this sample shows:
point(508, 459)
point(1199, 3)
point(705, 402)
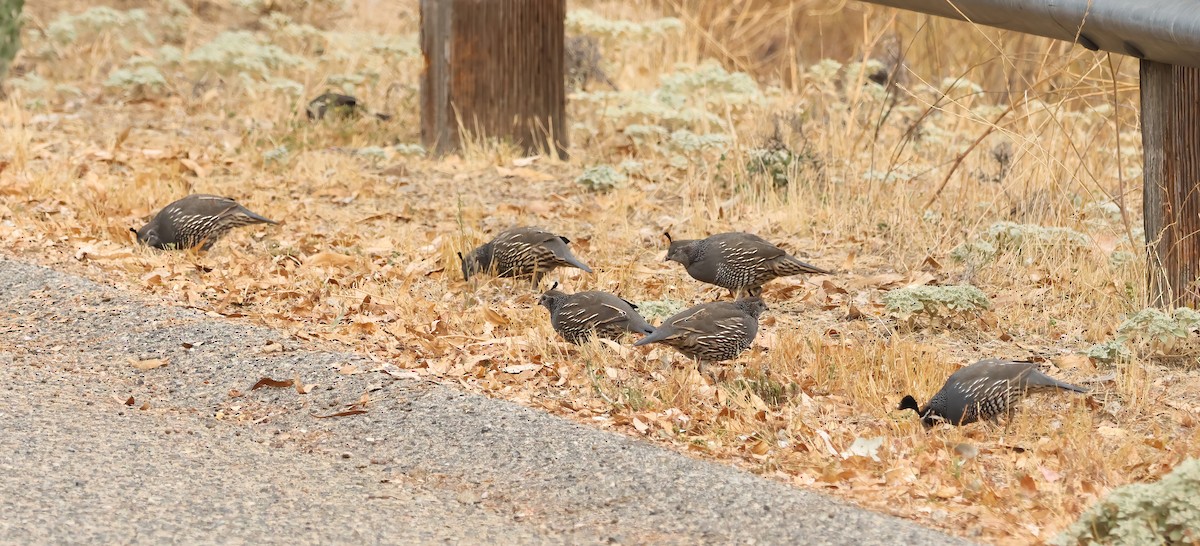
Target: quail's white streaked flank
point(710, 332)
point(739, 262)
point(984, 390)
point(521, 252)
point(576, 316)
point(196, 220)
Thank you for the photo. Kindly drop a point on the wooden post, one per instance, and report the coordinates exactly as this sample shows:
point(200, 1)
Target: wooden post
point(493, 69)
point(1171, 181)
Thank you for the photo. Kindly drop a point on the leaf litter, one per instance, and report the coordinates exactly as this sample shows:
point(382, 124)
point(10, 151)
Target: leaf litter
point(365, 258)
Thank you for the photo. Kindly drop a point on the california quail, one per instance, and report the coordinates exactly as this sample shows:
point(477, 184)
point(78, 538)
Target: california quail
point(740, 262)
point(711, 332)
point(196, 220)
point(343, 106)
point(984, 390)
point(521, 252)
point(582, 63)
point(576, 316)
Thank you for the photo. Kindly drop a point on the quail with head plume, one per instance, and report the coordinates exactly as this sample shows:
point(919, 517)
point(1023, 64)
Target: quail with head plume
point(576, 316)
point(984, 390)
point(710, 332)
point(196, 220)
point(521, 252)
point(737, 261)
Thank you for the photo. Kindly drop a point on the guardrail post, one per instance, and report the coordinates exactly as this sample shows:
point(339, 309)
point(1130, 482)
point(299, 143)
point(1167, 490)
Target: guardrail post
point(493, 69)
point(1171, 181)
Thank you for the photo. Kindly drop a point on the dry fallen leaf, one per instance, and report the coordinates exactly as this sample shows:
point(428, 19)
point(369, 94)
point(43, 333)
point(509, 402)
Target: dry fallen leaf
point(946, 492)
point(1049, 475)
point(193, 166)
point(883, 280)
point(329, 259)
point(494, 317)
point(301, 388)
point(830, 288)
point(1028, 485)
point(864, 447)
point(274, 383)
point(519, 368)
point(1074, 362)
point(149, 364)
point(345, 413)
point(760, 447)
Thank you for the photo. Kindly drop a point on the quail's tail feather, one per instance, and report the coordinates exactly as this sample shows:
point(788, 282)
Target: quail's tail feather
point(803, 267)
point(655, 336)
point(1047, 381)
point(257, 218)
point(576, 262)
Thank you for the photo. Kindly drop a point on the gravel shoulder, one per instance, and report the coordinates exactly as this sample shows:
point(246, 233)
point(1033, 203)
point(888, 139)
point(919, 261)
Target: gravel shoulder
point(96, 450)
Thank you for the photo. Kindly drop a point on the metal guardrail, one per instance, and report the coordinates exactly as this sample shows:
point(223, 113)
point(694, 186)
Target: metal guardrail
point(1166, 31)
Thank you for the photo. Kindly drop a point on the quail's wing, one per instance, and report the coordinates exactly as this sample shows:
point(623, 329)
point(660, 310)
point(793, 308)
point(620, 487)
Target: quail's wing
point(527, 235)
point(684, 322)
point(215, 205)
point(710, 319)
point(750, 245)
point(557, 244)
point(241, 215)
point(594, 309)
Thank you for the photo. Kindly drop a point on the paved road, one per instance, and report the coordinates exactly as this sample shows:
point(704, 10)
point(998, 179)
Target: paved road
point(186, 462)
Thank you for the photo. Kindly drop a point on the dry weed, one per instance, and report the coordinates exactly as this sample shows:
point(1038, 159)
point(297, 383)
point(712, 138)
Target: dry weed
point(365, 256)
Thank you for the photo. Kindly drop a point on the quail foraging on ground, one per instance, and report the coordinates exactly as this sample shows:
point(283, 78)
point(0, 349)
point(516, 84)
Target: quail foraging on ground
point(582, 61)
point(710, 332)
point(576, 316)
point(984, 390)
point(196, 220)
point(740, 262)
point(521, 252)
point(337, 105)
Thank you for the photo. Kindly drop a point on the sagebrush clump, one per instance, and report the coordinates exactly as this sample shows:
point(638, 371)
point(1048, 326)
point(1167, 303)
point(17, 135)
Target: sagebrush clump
point(10, 32)
point(1167, 512)
point(1153, 329)
point(1011, 237)
point(600, 178)
point(936, 302)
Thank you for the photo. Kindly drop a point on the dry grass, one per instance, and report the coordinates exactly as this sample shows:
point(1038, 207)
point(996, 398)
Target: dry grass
point(365, 256)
